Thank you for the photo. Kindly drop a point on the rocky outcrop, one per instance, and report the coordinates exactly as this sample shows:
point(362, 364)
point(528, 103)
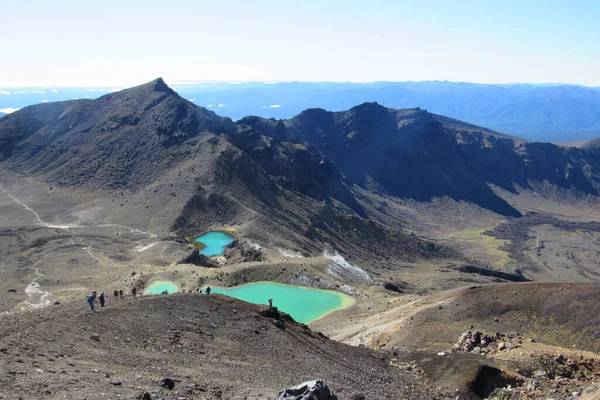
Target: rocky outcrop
point(310, 390)
point(480, 343)
point(243, 250)
point(194, 257)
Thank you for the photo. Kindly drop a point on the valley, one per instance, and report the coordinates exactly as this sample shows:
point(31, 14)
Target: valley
point(433, 226)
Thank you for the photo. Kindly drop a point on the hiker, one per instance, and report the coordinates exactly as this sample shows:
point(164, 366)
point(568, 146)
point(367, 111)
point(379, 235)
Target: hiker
point(116, 293)
point(271, 303)
point(121, 293)
point(91, 299)
point(102, 299)
point(133, 291)
point(208, 290)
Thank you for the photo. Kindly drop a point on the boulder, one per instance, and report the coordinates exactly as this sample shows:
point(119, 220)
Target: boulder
point(194, 257)
point(167, 383)
point(310, 390)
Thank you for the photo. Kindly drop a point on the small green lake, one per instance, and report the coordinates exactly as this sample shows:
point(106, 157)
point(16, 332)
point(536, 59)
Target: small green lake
point(160, 286)
point(214, 243)
point(302, 303)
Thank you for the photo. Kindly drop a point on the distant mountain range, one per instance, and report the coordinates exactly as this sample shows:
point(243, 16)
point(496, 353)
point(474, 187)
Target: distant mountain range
point(130, 138)
point(550, 113)
point(2, 114)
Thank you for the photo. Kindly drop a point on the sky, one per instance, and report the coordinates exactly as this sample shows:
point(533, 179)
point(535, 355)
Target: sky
point(123, 43)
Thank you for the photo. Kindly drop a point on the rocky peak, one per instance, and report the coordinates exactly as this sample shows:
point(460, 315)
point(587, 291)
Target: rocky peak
point(369, 108)
point(159, 85)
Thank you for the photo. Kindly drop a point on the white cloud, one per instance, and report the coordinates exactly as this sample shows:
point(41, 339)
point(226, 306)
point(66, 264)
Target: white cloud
point(271, 106)
point(5, 92)
point(222, 105)
point(91, 90)
point(20, 92)
point(209, 105)
point(8, 110)
point(38, 91)
point(192, 99)
point(44, 101)
point(54, 90)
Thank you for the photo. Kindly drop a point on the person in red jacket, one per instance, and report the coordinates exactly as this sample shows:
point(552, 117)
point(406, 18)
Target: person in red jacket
point(133, 291)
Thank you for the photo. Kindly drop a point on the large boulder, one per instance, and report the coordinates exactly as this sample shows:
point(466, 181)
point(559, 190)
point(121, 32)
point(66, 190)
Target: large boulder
point(310, 390)
point(194, 257)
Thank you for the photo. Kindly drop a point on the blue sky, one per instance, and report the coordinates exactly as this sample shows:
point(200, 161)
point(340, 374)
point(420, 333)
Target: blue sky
point(128, 42)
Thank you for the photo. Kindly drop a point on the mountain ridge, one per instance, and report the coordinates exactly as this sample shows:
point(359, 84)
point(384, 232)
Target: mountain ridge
point(538, 112)
point(125, 139)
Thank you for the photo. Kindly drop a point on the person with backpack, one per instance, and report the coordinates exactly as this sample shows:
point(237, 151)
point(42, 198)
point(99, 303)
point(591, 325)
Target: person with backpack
point(134, 291)
point(102, 298)
point(208, 290)
point(121, 293)
point(91, 299)
point(116, 293)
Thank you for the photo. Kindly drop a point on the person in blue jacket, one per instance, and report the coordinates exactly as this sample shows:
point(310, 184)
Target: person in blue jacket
point(91, 299)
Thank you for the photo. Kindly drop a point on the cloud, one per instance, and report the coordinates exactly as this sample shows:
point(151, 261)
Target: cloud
point(8, 110)
point(5, 92)
point(271, 106)
point(20, 92)
point(38, 91)
point(54, 90)
point(222, 105)
point(192, 99)
point(44, 101)
point(209, 106)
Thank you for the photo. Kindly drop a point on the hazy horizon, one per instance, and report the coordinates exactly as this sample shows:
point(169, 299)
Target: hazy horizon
point(124, 43)
point(113, 86)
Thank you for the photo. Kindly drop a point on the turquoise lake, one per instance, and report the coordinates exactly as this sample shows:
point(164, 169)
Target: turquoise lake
point(302, 303)
point(214, 243)
point(160, 286)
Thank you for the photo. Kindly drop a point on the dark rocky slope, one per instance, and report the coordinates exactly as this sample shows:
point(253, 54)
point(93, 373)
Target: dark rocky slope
point(212, 346)
point(293, 179)
point(121, 140)
point(415, 154)
point(182, 167)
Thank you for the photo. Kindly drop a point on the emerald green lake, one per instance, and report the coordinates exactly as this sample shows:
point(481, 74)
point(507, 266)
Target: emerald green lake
point(302, 303)
point(160, 286)
point(214, 242)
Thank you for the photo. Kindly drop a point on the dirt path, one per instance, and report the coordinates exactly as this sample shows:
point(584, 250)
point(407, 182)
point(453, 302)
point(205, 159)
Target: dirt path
point(36, 297)
point(37, 216)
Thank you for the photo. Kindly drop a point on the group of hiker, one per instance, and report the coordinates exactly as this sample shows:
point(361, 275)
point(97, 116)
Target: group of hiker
point(118, 293)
